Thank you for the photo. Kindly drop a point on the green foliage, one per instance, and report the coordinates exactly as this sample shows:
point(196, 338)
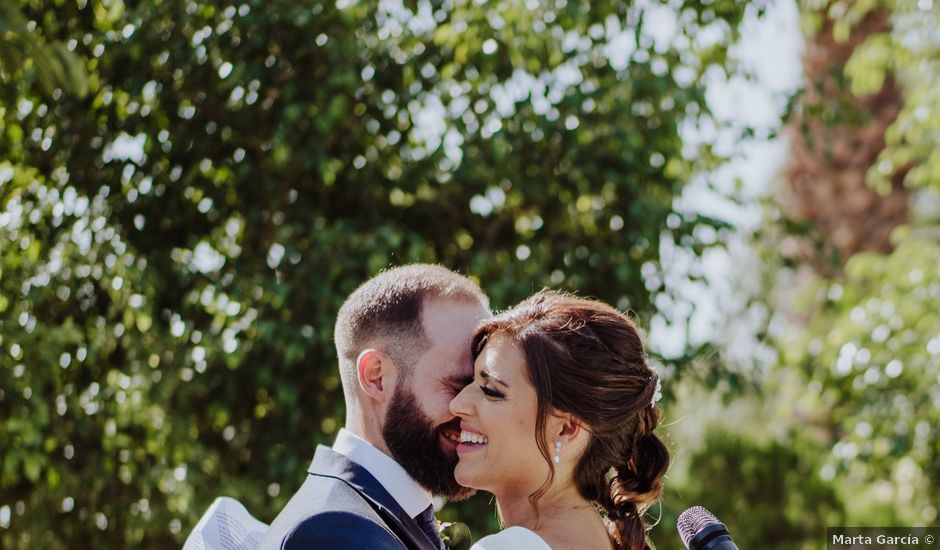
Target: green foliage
point(871, 355)
point(54, 66)
point(177, 242)
point(769, 495)
point(910, 54)
point(868, 347)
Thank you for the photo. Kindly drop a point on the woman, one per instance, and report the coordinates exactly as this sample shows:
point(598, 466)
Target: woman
point(558, 426)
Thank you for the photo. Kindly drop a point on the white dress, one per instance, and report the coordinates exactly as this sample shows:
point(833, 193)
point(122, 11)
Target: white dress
point(513, 538)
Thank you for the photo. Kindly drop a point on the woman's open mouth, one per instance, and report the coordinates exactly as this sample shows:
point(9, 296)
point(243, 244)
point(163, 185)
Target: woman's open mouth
point(471, 441)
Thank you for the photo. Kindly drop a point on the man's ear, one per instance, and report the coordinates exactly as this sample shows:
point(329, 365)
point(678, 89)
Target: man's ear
point(377, 373)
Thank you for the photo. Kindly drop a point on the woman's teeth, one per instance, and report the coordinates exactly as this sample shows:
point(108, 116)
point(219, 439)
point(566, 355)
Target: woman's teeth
point(472, 437)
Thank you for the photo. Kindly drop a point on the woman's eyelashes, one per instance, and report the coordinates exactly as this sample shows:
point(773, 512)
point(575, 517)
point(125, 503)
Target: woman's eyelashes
point(490, 392)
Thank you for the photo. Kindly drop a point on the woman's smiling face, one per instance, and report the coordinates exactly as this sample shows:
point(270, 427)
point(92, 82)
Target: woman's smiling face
point(498, 411)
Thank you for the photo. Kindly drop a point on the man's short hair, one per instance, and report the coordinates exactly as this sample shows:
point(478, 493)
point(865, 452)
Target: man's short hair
point(386, 311)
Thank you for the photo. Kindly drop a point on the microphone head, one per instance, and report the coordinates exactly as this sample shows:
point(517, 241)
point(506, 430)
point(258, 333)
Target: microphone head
point(693, 521)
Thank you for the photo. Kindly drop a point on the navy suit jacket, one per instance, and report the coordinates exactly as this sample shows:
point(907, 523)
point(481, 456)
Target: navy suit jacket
point(342, 506)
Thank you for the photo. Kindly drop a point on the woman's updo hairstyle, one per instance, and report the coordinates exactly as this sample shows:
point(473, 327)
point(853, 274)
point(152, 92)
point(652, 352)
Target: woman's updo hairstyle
point(586, 358)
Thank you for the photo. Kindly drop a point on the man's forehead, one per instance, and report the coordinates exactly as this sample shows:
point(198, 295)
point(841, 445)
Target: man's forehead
point(452, 319)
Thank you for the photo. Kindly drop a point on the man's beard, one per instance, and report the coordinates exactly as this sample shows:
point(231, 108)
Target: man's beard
point(416, 444)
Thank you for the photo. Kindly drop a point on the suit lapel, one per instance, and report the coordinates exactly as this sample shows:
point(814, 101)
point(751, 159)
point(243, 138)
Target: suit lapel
point(329, 463)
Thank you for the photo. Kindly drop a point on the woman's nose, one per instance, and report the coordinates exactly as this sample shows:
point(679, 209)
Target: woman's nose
point(459, 405)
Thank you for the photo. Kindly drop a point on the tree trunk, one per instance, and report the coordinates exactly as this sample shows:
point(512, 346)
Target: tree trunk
point(835, 138)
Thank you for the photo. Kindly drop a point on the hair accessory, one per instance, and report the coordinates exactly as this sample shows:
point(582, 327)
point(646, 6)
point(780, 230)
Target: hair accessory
point(657, 392)
point(557, 458)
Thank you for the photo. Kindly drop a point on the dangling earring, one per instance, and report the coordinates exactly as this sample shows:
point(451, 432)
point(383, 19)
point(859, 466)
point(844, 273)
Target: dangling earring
point(557, 450)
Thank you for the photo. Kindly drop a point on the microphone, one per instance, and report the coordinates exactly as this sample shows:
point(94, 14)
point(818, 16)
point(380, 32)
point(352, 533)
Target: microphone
point(701, 530)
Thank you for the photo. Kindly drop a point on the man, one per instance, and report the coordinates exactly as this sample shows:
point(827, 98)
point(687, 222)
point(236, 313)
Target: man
point(403, 341)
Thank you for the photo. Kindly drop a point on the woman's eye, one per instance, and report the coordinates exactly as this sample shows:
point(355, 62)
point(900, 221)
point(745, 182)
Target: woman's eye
point(491, 393)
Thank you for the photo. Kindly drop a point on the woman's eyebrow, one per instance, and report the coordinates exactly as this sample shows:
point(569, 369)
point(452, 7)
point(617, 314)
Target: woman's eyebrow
point(490, 376)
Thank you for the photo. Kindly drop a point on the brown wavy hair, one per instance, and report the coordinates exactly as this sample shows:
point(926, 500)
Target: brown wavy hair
point(586, 358)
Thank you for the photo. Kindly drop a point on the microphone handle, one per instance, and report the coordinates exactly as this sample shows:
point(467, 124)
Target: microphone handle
point(713, 537)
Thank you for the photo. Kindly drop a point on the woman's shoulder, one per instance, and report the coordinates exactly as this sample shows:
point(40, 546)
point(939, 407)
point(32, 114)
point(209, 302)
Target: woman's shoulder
point(512, 538)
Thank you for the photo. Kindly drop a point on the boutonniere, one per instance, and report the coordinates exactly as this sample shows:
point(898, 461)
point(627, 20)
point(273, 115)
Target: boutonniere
point(456, 535)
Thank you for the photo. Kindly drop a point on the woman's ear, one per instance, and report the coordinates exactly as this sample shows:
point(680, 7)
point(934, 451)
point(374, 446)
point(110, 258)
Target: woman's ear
point(376, 374)
point(566, 429)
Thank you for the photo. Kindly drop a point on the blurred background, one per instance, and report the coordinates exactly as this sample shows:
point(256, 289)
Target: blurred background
point(189, 190)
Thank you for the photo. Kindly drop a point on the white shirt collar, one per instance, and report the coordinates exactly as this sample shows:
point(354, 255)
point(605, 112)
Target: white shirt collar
point(412, 497)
